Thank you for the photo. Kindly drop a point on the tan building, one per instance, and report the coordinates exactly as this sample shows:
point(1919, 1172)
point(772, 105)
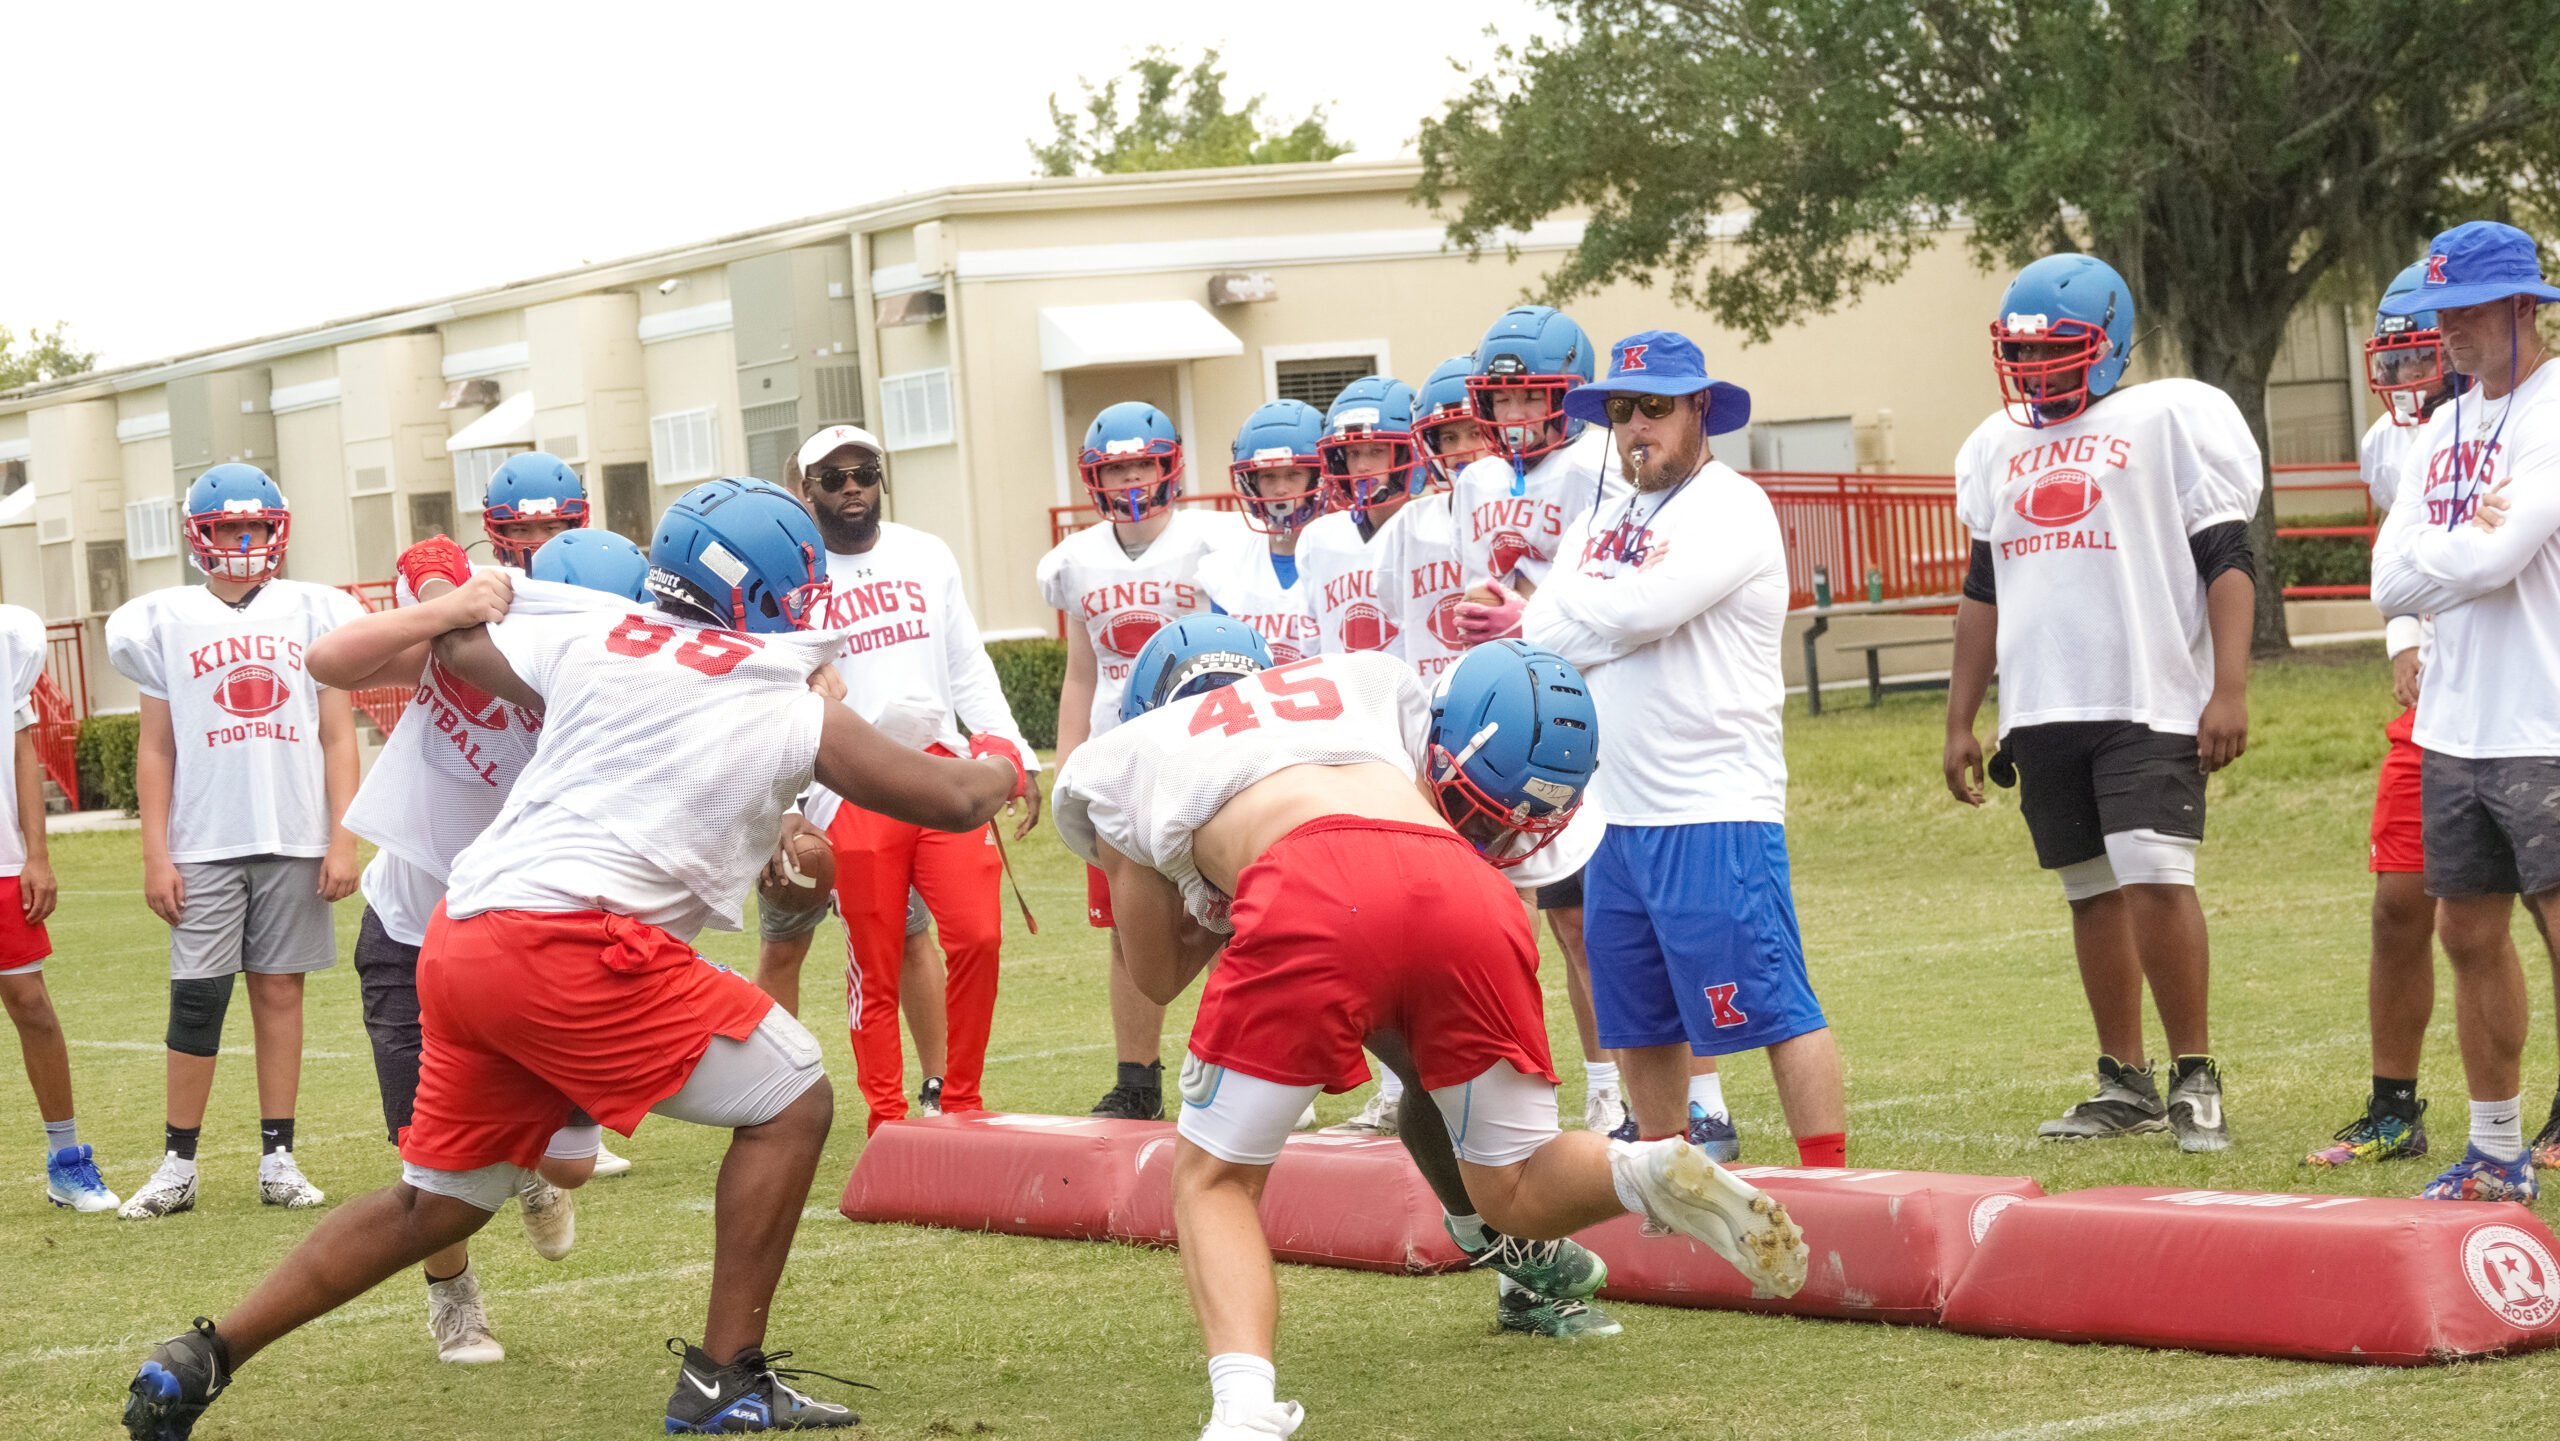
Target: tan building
point(977, 329)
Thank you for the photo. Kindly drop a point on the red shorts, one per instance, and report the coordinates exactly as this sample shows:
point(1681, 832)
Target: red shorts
point(23, 946)
point(2399, 831)
point(1097, 897)
point(1349, 925)
point(528, 1013)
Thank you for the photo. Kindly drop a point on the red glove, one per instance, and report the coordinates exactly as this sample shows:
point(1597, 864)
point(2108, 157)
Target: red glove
point(1479, 623)
point(436, 558)
point(983, 745)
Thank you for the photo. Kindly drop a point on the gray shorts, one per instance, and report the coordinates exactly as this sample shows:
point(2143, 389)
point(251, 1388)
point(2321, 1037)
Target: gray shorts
point(259, 913)
point(774, 923)
point(2492, 825)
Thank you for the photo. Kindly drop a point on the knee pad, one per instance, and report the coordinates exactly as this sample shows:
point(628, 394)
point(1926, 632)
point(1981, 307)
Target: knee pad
point(2148, 858)
point(196, 1009)
point(2089, 878)
point(574, 1143)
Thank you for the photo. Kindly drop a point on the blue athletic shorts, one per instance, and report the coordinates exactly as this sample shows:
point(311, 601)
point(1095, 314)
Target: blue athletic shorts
point(1692, 937)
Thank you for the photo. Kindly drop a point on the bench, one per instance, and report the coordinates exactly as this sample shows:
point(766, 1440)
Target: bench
point(1876, 686)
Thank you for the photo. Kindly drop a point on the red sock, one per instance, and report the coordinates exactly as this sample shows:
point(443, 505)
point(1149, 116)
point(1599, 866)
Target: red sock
point(1830, 1150)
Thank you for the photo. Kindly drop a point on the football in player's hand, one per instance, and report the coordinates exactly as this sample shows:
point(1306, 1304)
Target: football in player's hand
point(1483, 595)
point(803, 868)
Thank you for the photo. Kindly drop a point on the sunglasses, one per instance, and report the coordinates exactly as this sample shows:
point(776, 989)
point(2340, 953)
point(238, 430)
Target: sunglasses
point(1623, 408)
point(832, 481)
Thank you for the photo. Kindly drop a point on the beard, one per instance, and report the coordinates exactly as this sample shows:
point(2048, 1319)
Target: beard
point(1667, 465)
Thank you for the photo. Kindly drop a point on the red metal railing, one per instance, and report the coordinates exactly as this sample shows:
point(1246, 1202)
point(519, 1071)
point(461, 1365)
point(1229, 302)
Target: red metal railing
point(58, 736)
point(2348, 480)
point(1901, 530)
point(382, 704)
point(66, 659)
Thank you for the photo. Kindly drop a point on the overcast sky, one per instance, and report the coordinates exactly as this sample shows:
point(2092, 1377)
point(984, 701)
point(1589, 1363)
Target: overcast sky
point(184, 176)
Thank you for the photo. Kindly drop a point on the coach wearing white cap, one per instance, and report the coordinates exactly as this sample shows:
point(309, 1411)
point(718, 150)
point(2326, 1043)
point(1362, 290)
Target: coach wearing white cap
point(1671, 602)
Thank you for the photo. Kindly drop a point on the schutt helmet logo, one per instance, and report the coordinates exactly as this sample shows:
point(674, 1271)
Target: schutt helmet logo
point(2059, 498)
point(1129, 633)
point(1443, 621)
point(251, 691)
point(1365, 627)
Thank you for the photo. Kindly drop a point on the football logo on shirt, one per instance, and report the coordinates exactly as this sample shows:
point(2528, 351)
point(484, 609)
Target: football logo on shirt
point(2058, 498)
point(251, 691)
point(1365, 627)
point(1510, 548)
point(1129, 632)
point(476, 706)
point(1443, 622)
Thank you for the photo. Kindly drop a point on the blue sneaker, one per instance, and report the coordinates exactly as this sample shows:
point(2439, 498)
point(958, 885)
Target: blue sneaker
point(182, 1377)
point(2479, 1178)
point(71, 1180)
point(1714, 1135)
point(748, 1394)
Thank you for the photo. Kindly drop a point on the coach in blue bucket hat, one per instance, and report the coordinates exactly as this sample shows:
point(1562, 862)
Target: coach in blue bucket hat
point(1660, 362)
point(2472, 264)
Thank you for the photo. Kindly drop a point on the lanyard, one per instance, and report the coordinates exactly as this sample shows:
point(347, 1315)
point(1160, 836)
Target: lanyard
point(1618, 549)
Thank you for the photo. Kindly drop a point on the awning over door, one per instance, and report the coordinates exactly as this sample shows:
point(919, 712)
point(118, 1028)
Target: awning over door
point(1138, 333)
point(509, 422)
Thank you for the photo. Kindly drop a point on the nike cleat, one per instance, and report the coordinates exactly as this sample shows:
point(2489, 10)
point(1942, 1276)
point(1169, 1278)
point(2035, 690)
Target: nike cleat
point(1531, 1314)
point(2377, 1135)
point(2127, 1104)
point(1679, 1189)
point(929, 1099)
point(1626, 1130)
point(2478, 1178)
point(71, 1180)
point(748, 1394)
point(1377, 1118)
point(1714, 1134)
point(608, 1164)
point(1562, 1269)
point(2195, 1107)
point(550, 1216)
point(170, 1190)
point(1274, 1422)
point(1603, 1109)
point(281, 1183)
point(458, 1320)
point(2545, 1148)
point(182, 1377)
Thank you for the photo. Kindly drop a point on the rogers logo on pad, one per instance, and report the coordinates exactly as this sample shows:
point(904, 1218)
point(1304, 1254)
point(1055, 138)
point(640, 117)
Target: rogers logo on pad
point(2059, 498)
point(1986, 1211)
point(251, 691)
point(2512, 1274)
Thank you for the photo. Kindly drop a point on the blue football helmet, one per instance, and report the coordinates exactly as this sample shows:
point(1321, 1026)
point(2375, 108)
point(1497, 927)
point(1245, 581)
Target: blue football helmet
point(1195, 654)
point(536, 485)
point(1538, 348)
point(739, 553)
point(2404, 361)
point(1374, 410)
point(1276, 467)
point(1443, 403)
point(1131, 430)
point(596, 559)
point(237, 492)
point(1514, 742)
point(2070, 300)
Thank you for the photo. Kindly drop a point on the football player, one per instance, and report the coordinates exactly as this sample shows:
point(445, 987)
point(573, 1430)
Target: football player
point(560, 970)
point(439, 781)
point(2111, 586)
point(533, 497)
point(1371, 468)
point(1546, 468)
point(27, 895)
point(1276, 468)
point(1321, 830)
point(1118, 583)
point(245, 768)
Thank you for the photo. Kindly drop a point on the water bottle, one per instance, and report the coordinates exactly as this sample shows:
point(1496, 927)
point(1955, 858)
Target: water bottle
point(1822, 585)
point(1875, 585)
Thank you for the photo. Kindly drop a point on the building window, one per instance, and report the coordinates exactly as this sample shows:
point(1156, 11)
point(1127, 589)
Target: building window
point(151, 527)
point(13, 476)
point(1319, 380)
point(684, 446)
point(106, 576)
point(626, 502)
point(773, 433)
point(915, 409)
point(430, 513)
point(472, 470)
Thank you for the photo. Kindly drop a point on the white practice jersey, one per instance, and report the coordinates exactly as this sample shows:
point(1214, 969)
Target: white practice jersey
point(250, 779)
point(2381, 457)
point(1340, 573)
point(1502, 535)
point(22, 650)
point(670, 751)
point(1420, 583)
point(1242, 581)
point(1121, 601)
point(2102, 613)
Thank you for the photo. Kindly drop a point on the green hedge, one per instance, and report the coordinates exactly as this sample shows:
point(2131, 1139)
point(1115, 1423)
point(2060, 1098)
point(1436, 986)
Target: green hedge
point(104, 754)
point(2324, 559)
point(1031, 672)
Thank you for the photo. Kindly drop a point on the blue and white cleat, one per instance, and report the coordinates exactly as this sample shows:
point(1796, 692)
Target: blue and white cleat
point(2480, 1178)
point(182, 1377)
point(747, 1395)
point(71, 1180)
point(1714, 1135)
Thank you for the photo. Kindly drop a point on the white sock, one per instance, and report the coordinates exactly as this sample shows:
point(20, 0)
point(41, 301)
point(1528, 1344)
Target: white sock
point(1241, 1386)
point(1390, 1086)
point(2497, 1128)
point(1469, 1230)
point(1707, 1093)
point(186, 1164)
point(1600, 1073)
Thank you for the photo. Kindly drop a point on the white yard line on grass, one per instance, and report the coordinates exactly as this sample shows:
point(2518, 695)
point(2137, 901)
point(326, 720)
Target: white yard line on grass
point(2151, 1418)
point(156, 1047)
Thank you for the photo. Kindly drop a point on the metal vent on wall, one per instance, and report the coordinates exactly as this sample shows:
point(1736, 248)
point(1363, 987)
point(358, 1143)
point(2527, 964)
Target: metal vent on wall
point(773, 432)
point(1317, 382)
point(53, 529)
point(685, 446)
point(151, 527)
point(839, 390)
point(370, 480)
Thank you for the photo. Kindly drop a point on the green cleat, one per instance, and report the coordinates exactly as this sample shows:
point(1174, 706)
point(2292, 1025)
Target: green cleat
point(1531, 1314)
point(1560, 1269)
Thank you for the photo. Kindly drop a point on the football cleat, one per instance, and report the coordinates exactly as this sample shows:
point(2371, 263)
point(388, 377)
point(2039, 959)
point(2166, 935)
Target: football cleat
point(1272, 1423)
point(2195, 1108)
point(1531, 1314)
point(748, 1394)
point(1603, 1109)
point(550, 1217)
point(281, 1183)
point(171, 1189)
point(1714, 1134)
point(1377, 1118)
point(609, 1164)
point(1560, 1269)
point(1679, 1189)
point(2478, 1178)
point(929, 1099)
point(2377, 1135)
point(2545, 1149)
point(1626, 1130)
point(182, 1377)
point(1132, 1100)
point(458, 1319)
point(2127, 1104)
point(71, 1180)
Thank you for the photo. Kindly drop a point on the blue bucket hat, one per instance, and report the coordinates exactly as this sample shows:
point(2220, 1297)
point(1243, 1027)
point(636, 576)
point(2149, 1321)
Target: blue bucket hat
point(2472, 264)
point(1660, 362)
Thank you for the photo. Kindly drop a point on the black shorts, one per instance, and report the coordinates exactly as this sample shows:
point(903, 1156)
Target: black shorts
point(1563, 895)
point(2492, 825)
point(2080, 782)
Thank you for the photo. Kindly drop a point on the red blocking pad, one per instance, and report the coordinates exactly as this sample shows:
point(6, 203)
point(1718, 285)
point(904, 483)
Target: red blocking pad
point(2316, 1278)
point(1887, 1245)
point(1023, 1175)
point(1352, 1201)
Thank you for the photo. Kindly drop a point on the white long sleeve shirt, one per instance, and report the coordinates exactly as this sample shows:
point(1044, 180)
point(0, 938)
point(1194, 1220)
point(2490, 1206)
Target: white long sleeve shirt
point(2380, 457)
point(1672, 603)
point(2494, 686)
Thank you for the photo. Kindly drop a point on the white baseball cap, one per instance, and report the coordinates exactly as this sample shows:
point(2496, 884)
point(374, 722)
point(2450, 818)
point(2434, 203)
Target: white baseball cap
point(819, 446)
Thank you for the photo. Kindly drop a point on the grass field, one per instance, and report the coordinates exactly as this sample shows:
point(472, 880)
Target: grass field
point(1940, 952)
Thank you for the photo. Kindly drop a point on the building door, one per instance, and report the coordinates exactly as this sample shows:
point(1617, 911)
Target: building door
point(626, 502)
point(1086, 392)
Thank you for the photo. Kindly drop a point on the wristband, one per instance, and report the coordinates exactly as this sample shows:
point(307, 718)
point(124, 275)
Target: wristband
point(983, 745)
